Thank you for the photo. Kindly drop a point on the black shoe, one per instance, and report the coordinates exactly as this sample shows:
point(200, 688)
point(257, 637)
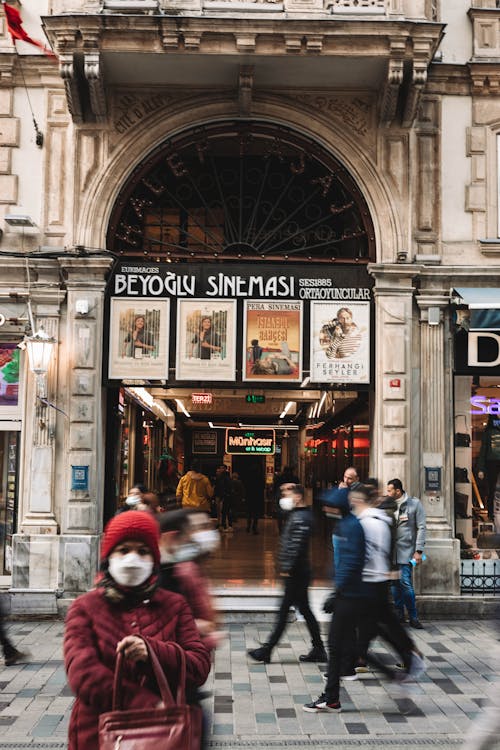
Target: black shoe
point(13, 657)
point(262, 654)
point(317, 653)
point(321, 704)
point(415, 623)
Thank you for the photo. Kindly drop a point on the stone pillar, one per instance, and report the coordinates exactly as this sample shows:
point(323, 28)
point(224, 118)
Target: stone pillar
point(36, 545)
point(82, 511)
point(56, 551)
point(439, 575)
point(392, 442)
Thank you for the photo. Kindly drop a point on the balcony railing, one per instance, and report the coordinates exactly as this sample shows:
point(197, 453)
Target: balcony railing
point(336, 7)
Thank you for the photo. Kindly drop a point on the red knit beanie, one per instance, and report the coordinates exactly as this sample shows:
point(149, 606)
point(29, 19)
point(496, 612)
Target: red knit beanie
point(131, 525)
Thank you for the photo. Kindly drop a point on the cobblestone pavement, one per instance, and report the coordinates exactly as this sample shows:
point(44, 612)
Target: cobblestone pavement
point(260, 706)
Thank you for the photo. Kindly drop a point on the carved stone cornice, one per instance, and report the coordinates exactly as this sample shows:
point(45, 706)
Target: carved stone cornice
point(485, 78)
point(405, 45)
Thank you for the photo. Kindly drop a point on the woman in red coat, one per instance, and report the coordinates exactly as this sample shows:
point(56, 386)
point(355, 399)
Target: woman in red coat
point(124, 605)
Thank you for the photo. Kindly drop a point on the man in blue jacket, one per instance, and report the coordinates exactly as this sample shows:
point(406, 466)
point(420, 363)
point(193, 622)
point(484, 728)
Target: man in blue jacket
point(348, 557)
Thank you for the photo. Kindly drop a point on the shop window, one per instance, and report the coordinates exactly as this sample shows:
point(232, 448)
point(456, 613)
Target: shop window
point(477, 465)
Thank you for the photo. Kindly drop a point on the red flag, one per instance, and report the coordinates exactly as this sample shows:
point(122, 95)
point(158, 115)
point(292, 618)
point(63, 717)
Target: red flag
point(15, 29)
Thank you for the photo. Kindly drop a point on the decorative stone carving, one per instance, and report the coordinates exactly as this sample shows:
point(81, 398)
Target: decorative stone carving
point(245, 89)
point(95, 78)
point(391, 91)
point(67, 70)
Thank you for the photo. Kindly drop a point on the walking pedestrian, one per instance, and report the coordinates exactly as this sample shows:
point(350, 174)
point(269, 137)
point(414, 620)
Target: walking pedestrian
point(287, 477)
point(237, 496)
point(11, 654)
point(379, 616)
point(223, 493)
point(346, 602)
point(408, 550)
point(116, 616)
point(194, 489)
point(295, 568)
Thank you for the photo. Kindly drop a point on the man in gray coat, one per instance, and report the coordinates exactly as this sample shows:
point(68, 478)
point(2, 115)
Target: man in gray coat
point(409, 518)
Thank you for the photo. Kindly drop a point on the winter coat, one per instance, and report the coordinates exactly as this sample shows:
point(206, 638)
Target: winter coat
point(377, 530)
point(410, 530)
point(94, 626)
point(348, 545)
point(187, 578)
point(294, 544)
point(194, 491)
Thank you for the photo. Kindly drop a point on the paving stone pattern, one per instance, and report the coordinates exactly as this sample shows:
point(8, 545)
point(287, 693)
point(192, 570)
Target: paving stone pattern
point(260, 706)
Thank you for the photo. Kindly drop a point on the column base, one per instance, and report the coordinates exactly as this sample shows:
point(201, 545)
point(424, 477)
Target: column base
point(63, 564)
point(41, 523)
point(439, 574)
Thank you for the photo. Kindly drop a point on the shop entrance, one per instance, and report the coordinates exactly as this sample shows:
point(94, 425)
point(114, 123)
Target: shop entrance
point(251, 471)
point(8, 497)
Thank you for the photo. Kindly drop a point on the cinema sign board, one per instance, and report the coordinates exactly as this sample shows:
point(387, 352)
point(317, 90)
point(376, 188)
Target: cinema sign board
point(247, 442)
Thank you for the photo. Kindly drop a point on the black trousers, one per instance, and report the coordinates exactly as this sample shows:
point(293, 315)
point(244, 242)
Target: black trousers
point(380, 618)
point(227, 512)
point(296, 595)
point(342, 645)
point(252, 518)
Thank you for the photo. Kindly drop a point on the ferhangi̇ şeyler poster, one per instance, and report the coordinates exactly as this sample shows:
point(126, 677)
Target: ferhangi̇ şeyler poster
point(138, 341)
point(206, 340)
point(340, 342)
point(272, 341)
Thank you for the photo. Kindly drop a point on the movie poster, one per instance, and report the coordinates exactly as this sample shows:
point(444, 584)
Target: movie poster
point(206, 339)
point(10, 356)
point(273, 341)
point(138, 339)
point(340, 342)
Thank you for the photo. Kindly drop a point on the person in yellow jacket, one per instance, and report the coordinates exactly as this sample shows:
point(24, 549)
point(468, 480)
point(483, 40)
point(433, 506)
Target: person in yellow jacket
point(194, 489)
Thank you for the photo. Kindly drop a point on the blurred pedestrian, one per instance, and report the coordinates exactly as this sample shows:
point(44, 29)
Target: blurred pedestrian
point(125, 607)
point(180, 547)
point(11, 654)
point(409, 547)
point(295, 568)
point(194, 489)
point(379, 617)
point(223, 493)
point(347, 602)
point(287, 476)
point(133, 499)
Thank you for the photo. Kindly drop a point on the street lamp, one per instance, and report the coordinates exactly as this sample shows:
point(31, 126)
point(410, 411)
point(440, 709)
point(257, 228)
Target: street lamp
point(40, 347)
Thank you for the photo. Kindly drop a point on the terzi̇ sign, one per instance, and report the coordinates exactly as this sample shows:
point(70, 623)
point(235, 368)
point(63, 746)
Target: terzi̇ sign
point(245, 442)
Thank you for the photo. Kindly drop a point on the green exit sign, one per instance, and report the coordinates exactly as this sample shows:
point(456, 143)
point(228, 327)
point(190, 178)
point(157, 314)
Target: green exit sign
point(252, 398)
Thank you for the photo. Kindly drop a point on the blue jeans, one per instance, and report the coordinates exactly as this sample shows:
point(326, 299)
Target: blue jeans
point(403, 593)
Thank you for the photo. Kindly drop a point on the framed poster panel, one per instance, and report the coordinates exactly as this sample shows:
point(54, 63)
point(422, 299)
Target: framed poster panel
point(340, 342)
point(206, 339)
point(272, 339)
point(138, 338)
point(10, 380)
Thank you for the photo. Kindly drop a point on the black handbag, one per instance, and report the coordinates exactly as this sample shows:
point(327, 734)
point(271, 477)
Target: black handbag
point(462, 439)
point(461, 475)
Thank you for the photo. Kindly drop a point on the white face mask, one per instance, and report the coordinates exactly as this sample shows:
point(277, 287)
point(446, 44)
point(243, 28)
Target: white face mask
point(286, 503)
point(130, 570)
point(208, 540)
point(186, 552)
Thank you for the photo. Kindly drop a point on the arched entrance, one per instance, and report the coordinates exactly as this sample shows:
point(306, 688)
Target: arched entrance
point(243, 192)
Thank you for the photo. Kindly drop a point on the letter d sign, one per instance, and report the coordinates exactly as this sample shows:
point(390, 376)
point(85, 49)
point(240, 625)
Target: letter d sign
point(473, 357)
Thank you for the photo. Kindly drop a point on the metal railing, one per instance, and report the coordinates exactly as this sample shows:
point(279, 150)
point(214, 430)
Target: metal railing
point(480, 577)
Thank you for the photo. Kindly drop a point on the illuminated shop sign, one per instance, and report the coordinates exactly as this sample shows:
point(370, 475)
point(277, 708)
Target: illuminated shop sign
point(485, 405)
point(168, 280)
point(202, 398)
point(484, 349)
point(243, 442)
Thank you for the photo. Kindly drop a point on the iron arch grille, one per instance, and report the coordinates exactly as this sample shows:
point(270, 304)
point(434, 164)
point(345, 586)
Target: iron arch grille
point(237, 191)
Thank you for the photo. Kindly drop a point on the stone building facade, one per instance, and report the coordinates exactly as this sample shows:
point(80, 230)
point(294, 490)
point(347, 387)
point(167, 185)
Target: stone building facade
point(402, 93)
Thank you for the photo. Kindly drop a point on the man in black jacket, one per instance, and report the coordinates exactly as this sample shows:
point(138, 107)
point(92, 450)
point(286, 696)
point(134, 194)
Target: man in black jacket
point(295, 568)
